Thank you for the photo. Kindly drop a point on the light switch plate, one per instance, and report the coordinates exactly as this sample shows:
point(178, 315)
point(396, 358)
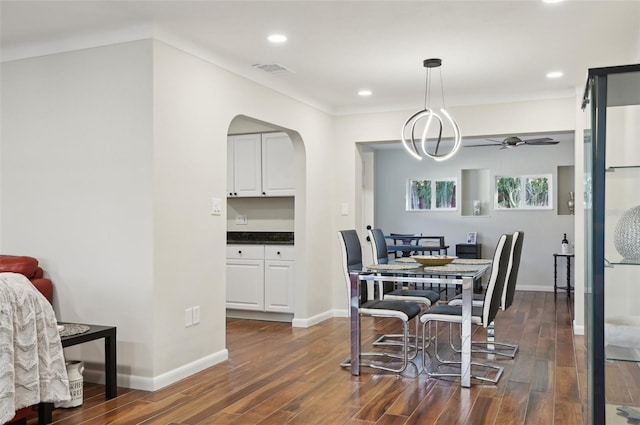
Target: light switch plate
point(344, 208)
point(216, 206)
point(188, 317)
point(196, 314)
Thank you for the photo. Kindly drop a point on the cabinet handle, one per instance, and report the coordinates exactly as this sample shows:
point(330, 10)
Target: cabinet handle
point(239, 252)
point(264, 193)
point(278, 252)
point(235, 193)
point(230, 193)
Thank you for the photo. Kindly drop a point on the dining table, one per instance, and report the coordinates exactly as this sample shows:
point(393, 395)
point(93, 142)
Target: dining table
point(456, 274)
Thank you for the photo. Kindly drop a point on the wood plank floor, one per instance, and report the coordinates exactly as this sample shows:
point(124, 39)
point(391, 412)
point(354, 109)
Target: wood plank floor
point(278, 375)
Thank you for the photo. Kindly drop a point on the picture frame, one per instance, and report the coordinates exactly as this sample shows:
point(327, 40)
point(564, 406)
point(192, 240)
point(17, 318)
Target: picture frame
point(472, 237)
point(419, 195)
point(438, 194)
point(524, 192)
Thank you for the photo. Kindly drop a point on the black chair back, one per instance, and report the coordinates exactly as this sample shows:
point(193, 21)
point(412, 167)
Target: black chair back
point(510, 290)
point(500, 264)
point(352, 259)
point(379, 244)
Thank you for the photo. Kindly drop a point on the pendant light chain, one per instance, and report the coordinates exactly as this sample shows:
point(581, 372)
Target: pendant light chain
point(444, 106)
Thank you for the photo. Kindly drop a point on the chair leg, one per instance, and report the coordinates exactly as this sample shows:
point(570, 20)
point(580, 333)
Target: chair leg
point(496, 347)
point(498, 369)
point(395, 340)
point(492, 346)
point(405, 357)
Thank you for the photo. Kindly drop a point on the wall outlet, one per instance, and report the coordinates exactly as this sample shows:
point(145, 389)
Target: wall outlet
point(241, 219)
point(196, 314)
point(188, 317)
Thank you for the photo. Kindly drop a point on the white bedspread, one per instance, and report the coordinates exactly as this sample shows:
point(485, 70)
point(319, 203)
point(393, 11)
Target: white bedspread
point(32, 368)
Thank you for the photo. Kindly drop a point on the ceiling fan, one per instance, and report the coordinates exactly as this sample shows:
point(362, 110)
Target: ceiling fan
point(515, 141)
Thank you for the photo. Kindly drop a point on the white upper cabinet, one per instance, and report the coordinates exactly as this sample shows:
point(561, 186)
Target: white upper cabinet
point(278, 165)
point(244, 170)
point(260, 165)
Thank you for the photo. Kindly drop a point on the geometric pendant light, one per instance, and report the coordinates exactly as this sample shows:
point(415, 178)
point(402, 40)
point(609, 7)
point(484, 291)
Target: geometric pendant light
point(442, 117)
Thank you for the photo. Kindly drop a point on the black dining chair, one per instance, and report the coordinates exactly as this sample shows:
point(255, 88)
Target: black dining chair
point(508, 293)
point(406, 239)
point(424, 297)
point(370, 304)
point(380, 256)
point(481, 316)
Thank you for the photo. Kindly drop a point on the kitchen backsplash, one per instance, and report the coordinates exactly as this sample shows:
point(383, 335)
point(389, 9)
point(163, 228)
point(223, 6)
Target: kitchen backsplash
point(262, 214)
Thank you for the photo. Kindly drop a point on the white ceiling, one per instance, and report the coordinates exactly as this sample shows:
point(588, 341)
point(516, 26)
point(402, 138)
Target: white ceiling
point(492, 51)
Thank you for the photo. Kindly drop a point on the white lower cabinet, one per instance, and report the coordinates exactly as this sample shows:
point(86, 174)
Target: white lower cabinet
point(260, 278)
point(278, 278)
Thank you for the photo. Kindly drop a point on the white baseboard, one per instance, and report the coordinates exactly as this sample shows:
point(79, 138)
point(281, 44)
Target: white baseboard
point(340, 313)
point(153, 384)
point(578, 329)
point(260, 315)
point(313, 320)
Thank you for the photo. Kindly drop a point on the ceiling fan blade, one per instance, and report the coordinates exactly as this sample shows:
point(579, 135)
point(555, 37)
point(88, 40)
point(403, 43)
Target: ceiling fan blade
point(541, 141)
point(480, 146)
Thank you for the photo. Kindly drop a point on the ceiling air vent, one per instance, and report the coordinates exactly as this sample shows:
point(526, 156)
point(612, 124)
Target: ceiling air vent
point(272, 68)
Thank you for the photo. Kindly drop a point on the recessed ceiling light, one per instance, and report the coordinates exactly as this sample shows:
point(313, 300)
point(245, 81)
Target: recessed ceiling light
point(552, 1)
point(365, 93)
point(277, 38)
point(555, 74)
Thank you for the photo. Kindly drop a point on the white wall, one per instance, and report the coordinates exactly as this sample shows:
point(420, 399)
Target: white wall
point(77, 187)
point(543, 229)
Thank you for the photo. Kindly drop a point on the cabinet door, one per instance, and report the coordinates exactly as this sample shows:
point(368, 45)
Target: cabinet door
point(245, 284)
point(247, 171)
point(278, 286)
point(278, 165)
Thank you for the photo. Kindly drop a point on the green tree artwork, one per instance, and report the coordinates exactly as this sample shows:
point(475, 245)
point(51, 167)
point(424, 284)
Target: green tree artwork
point(536, 192)
point(524, 192)
point(419, 195)
point(508, 192)
point(446, 194)
point(438, 194)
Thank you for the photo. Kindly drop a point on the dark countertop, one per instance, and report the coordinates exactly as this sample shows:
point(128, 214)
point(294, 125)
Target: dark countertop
point(260, 238)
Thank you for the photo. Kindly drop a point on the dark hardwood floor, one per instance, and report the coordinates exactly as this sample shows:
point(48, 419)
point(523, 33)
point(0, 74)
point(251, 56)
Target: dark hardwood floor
point(278, 375)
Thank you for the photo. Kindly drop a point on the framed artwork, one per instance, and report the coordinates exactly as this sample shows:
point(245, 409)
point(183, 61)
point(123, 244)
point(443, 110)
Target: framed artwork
point(419, 195)
point(472, 237)
point(525, 192)
point(432, 195)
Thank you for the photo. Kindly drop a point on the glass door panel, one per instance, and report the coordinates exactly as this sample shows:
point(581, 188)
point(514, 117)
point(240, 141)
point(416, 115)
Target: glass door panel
point(612, 245)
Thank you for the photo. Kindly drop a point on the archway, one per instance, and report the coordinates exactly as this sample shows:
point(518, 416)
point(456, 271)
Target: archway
point(275, 214)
